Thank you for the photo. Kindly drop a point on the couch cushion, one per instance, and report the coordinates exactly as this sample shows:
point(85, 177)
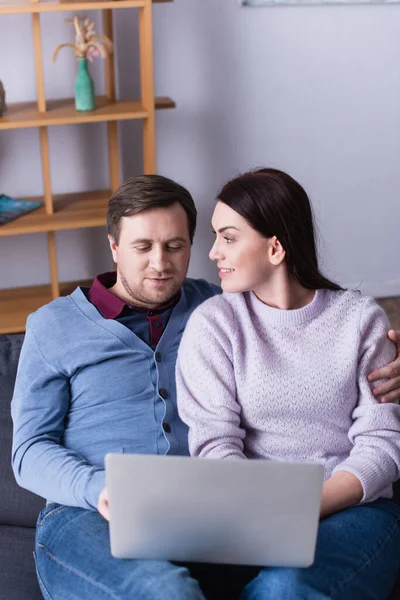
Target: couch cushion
point(396, 492)
point(17, 506)
point(17, 574)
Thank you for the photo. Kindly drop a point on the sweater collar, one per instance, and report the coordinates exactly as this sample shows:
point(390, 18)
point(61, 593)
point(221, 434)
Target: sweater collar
point(278, 316)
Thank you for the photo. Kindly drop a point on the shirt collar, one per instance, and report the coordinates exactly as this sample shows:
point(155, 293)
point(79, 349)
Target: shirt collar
point(110, 305)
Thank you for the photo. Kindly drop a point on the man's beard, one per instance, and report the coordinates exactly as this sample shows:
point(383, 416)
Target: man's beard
point(157, 298)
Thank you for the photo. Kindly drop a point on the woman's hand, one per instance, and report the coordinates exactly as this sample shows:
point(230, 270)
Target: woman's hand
point(340, 491)
point(102, 505)
point(389, 390)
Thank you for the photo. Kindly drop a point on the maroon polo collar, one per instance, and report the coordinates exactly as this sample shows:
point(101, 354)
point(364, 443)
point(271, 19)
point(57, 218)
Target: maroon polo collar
point(110, 305)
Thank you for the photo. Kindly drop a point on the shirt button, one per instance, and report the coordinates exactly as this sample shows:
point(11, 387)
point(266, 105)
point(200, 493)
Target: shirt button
point(158, 357)
point(166, 427)
point(157, 324)
point(163, 393)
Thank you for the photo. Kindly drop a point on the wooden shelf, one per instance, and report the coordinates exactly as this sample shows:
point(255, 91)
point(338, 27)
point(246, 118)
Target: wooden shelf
point(71, 211)
point(8, 7)
point(21, 115)
point(86, 209)
point(16, 304)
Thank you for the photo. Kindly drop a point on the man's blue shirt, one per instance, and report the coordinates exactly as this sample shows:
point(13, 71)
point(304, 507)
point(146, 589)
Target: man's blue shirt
point(87, 386)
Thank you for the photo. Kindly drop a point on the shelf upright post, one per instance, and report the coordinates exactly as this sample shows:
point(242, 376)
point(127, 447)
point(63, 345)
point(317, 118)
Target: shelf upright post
point(147, 86)
point(45, 154)
point(112, 127)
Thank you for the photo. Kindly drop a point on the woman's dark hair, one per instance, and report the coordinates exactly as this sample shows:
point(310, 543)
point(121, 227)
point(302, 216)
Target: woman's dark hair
point(145, 192)
point(274, 204)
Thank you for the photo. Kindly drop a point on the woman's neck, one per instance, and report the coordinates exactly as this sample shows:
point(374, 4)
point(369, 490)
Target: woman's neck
point(283, 292)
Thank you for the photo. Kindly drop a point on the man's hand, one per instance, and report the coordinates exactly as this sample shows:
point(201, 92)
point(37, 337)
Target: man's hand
point(102, 505)
point(389, 390)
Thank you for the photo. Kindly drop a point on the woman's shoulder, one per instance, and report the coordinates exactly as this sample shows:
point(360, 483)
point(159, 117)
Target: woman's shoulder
point(219, 306)
point(353, 302)
point(215, 317)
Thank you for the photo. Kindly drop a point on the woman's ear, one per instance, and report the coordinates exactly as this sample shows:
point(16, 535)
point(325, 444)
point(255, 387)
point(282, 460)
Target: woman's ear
point(276, 251)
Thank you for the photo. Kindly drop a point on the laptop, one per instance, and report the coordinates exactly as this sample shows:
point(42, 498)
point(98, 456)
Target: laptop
point(242, 512)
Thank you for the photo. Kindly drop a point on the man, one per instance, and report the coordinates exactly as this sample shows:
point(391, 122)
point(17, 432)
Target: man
point(96, 375)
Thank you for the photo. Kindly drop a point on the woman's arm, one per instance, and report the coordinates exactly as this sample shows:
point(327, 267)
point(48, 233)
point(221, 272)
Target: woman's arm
point(375, 433)
point(206, 389)
point(390, 389)
point(340, 491)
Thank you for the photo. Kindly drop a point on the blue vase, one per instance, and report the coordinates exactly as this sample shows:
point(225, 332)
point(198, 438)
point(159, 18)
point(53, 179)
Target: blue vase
point(84, 88)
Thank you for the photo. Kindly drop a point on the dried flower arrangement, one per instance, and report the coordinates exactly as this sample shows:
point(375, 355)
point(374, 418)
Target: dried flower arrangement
point(87, 43)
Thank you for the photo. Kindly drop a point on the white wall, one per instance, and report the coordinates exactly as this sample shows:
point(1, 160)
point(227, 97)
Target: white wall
point(312, 90)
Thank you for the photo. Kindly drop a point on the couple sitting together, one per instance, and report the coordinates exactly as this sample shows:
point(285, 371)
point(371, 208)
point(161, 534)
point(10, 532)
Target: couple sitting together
point(283, 365)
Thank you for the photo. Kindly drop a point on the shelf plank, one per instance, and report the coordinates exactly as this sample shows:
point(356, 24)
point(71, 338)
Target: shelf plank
point(8, 7)
point(71, 211)
point(22, 115)
point(16, 304)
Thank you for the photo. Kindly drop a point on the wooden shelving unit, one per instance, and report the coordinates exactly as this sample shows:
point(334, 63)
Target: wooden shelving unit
point(13, 7)
point(85, 209)
point(62, 112)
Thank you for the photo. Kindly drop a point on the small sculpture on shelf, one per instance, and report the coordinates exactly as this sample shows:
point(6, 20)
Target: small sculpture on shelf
point(87, 46)
point(3, 106)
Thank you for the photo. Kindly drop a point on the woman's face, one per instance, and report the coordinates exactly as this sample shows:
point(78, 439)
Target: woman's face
point(242, 254)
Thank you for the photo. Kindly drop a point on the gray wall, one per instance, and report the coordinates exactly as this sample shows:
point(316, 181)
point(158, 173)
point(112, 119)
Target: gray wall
point(312, 90)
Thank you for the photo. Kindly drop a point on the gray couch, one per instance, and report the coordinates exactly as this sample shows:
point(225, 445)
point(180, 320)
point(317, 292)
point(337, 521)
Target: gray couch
point(19, 508)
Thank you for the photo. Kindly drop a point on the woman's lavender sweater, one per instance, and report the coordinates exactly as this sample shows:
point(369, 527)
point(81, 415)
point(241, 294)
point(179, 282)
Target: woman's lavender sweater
point(260, 382)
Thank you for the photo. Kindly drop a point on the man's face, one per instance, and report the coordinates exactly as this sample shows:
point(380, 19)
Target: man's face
point(152, 255)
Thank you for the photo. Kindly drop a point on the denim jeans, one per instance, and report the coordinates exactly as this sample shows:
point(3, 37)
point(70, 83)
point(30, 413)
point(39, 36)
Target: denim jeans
point(73, 562)
point(357, 558)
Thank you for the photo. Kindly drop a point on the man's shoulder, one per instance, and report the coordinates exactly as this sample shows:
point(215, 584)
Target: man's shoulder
point(54, 314)
point(199, 290)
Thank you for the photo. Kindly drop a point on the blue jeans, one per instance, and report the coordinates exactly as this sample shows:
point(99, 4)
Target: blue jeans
point(73, 562)
point(357, 558)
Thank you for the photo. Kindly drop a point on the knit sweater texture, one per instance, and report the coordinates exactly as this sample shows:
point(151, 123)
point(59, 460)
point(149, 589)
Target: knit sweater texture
point(259, 382)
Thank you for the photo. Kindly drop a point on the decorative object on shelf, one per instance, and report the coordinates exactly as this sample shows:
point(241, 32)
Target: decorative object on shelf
point(3, 105)
point(87, 46)
point(11, 208)
point(85, 98)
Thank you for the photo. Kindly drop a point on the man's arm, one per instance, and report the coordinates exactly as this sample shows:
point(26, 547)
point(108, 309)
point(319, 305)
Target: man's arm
point(39, 409)
point(390, 389)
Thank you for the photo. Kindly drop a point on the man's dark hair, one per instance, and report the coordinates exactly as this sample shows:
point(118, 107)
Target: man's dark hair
point(145, 192)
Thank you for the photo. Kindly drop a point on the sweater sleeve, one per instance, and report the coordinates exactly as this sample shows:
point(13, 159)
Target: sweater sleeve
point(375, 432)
point(206, 390)
point(39, 408)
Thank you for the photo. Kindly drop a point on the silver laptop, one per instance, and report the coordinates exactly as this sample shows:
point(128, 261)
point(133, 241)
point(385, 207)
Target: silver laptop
point(244, 512)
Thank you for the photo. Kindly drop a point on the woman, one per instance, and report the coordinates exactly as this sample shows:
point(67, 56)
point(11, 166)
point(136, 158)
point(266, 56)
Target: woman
point(276, 368)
